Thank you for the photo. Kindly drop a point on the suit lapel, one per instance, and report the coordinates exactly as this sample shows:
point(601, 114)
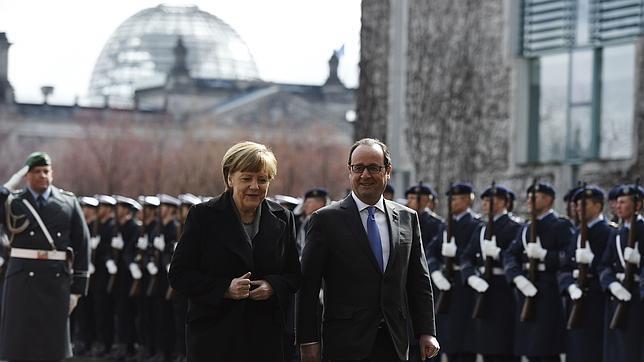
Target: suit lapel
point(270, 228)
point(233, 237)
point(394, 227)
point(354, 221)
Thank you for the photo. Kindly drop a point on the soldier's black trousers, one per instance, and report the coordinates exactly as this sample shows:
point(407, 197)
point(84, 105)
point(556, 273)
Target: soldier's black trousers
point(544, 359)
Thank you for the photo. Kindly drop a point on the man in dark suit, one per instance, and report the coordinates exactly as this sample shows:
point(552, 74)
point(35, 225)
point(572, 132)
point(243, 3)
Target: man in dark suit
point(43, 281)
point(369, 254)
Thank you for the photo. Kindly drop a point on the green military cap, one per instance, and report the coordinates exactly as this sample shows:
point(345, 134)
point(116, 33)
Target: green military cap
point(38, 159)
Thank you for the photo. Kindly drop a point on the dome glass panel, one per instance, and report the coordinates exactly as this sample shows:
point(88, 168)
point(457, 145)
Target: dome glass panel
point(140, 52)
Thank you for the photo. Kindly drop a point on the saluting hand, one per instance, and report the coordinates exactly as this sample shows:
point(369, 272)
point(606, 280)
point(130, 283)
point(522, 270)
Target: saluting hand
point(239, 288)
point(262, 291)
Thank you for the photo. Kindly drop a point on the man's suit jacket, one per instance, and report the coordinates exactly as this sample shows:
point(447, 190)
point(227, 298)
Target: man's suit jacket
point(357, 295)
point(213, 250)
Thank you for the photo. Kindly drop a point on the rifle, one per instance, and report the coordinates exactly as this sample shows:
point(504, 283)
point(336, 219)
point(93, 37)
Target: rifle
point(574, 320)
point(629, 269)
point(442, 304)
point(489, 261)
point(170, 292)
point(140, 255)
point(115, 257)
point(527, 311)
point(157, 258)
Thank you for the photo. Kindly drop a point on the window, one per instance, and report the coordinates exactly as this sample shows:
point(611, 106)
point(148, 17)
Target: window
point(582, 89)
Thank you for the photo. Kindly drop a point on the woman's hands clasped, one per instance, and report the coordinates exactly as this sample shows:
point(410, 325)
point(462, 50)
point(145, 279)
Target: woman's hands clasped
point(240, 288)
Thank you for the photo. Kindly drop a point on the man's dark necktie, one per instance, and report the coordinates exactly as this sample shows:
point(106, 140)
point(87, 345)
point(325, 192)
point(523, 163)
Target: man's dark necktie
point(41, 201)
point(374, 237)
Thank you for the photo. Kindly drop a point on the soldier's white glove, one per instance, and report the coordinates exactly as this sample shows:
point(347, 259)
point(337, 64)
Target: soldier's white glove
point(525, 286)
point(619, 291)
point(159, 243)
point(448, 249)
point(93, 241)
point(535, 250)
point(574, 292)
point(152, 269)
point(491, 249)
point(477, 283)
point(111, 267)
point(1, 261)
point(91, 269)
point(632, 255)
point(584, 255)
point(441, 282)
point(15, 179)
point(117, 242)
point(142, 243)
point(135, 271)
point(73, 302)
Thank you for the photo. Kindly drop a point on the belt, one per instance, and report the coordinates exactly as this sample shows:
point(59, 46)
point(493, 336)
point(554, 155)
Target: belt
point(575, 274)
point(540, 266)
point(495, 270)
point(620, 276)
point(38, 254)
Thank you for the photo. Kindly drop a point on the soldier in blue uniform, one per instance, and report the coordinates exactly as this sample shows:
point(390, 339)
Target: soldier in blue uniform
point(455, 326)
point(625, 343)
point(494, 329)
point(179, 301)
point(163, 245)
point(128, 275)
point(541, 338)
point(48, 266)
point(422, 198)
point(571, 206)
point(83, 320)
point(104, 255)
point(147, 258)
point(582, 343)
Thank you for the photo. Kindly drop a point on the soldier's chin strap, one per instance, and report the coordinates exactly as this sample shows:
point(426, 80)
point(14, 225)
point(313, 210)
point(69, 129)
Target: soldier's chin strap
point(40, 223)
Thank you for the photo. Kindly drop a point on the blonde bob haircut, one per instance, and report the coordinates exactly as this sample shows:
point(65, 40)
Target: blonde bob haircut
point(248, 157)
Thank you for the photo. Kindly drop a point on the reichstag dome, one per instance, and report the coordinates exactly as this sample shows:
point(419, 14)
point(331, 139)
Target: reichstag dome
point(139, 53)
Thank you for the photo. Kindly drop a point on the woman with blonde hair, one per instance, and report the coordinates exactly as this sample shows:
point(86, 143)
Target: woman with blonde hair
point(237, 263)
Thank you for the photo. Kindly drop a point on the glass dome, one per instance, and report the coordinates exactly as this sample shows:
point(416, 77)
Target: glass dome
point(139, 53)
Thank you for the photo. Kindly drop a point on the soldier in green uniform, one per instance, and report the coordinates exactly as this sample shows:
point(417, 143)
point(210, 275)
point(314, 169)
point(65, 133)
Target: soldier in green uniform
point(47, 270)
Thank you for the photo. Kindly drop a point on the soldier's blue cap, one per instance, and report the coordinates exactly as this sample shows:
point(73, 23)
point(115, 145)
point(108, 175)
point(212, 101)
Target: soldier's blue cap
point(501, 191)
point(511, 195)
point(106, 200)
point(149, 201)
point(126, 201)
point(630, 190)
point(165, 199)
point(542, 187)
point(390, 189)
point(460, 188)
point(316, 192)
point(38, 159)
point(591, 192)
point(88, 201)
point(421, 189)
point(189, 199)
point(569, 196)
point(612, 193)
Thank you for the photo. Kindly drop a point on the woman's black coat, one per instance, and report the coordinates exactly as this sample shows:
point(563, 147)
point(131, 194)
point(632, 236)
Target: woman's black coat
point(213, 250)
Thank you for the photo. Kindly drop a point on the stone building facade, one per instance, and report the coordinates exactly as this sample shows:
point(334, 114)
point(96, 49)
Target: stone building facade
point(509, 90)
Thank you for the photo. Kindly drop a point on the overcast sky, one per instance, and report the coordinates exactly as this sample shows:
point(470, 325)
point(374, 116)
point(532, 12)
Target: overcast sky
point(57, 42)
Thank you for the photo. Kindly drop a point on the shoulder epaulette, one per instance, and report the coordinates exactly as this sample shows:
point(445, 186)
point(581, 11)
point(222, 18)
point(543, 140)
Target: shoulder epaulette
point(66, 193)
point(435, 215)
point(476, 216)
point(613, 224)
point(516, 219)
